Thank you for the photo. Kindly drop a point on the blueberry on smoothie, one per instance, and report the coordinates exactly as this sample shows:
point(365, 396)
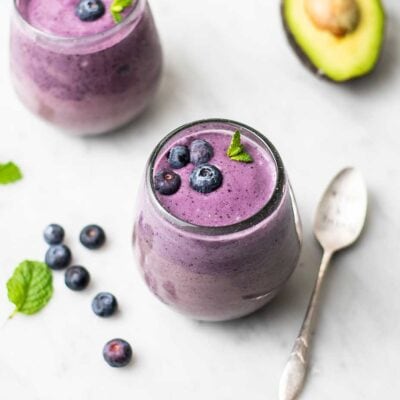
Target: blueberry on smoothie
point(167, 182)
point(77, 277)
point(92, 237)
point(201, 152)
point(104, 304)
point(117, 353)
point(53, 234)
point(206, 178)
point(179, 157)
point(90, 10)
point(58, 257)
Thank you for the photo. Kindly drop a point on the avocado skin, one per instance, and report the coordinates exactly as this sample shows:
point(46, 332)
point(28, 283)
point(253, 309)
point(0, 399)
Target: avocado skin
point(307, 62)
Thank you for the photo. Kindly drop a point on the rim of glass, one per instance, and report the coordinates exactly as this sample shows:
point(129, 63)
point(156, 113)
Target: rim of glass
point(138, 7)
point(256, 218)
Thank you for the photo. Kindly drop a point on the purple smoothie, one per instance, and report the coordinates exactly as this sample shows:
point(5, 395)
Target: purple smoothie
point(86, 77)
point(225, 254)
point(246, 188)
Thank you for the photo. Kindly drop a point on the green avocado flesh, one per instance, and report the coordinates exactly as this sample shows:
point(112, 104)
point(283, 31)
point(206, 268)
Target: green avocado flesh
point(338, 58)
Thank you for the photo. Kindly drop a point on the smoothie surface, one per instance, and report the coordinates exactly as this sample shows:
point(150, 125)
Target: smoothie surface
point(58, 17)
point(246, 187)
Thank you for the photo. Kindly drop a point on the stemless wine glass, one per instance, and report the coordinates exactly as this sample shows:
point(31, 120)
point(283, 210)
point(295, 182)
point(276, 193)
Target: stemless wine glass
point(87, 84)
point(217, 272)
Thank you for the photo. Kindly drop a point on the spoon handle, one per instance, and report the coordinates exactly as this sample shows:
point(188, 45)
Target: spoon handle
point(294, 374)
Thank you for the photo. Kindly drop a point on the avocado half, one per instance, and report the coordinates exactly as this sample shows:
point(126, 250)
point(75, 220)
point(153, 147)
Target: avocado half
point(337, 58)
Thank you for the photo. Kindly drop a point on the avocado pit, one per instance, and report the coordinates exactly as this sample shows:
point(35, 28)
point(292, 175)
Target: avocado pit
point(339, 17)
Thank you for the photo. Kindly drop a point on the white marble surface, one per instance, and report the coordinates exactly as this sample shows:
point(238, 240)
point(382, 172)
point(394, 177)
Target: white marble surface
point(225, 58)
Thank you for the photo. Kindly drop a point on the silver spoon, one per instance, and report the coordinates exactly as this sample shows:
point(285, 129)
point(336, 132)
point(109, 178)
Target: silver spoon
point(339, 221)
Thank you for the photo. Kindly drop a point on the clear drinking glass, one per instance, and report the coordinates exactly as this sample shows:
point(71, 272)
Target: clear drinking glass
point(87, 84)
point(217, 273)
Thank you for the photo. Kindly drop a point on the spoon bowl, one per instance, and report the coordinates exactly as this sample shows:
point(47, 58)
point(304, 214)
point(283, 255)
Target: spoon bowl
point(342, 211)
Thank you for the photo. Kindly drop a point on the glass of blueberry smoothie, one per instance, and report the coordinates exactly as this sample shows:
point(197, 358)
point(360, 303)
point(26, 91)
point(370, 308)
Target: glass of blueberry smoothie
point(217, 233)
point(87, 66)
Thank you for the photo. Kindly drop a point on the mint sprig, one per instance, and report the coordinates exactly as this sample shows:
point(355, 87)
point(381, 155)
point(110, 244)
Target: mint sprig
point(236, 150)
point(117, 8)
point(30, 288)
point(242, 157)
point(9, 173)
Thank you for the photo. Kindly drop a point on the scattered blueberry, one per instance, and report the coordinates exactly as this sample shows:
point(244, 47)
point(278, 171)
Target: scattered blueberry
point(92, 237)
point(58, 256)
point(201, 152)
point(77, 277)
point(104, 304)
point(206, 178)
point(179, 157)
point(90, 10)
point(167, 182)
point(117, 353)
point(53, 234)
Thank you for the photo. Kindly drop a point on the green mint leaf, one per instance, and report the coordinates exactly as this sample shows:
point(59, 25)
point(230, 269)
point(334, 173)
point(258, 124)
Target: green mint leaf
point(118, 7)
point(117, 17)
point(243, 157)
point(30, 288)
point(235, 147)
point(9, 173)
point(236, 150)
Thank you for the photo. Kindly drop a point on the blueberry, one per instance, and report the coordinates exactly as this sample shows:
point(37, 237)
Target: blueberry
point(206, 178)
point(179, 157)
point(77, 277)
point(117, 353)
point(53, 234)
point(58, 256)
point(201, 152)
point(92, 236)
point(104, 304)
point(167, 182)
point(90, 10)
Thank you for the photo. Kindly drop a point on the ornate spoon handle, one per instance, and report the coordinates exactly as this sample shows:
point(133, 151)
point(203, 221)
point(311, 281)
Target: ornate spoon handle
point(294, 374)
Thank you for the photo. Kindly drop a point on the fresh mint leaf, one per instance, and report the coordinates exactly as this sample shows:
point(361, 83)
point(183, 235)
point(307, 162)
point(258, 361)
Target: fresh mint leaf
point(118, 7)
point(236, 150)
point(9, 173)
point(242, 157)
point(31, 287)
point(235, 147)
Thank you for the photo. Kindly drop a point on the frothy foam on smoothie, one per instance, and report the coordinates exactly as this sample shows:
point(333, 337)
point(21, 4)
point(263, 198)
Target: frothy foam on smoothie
point(246, 187)
point(58, 17)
